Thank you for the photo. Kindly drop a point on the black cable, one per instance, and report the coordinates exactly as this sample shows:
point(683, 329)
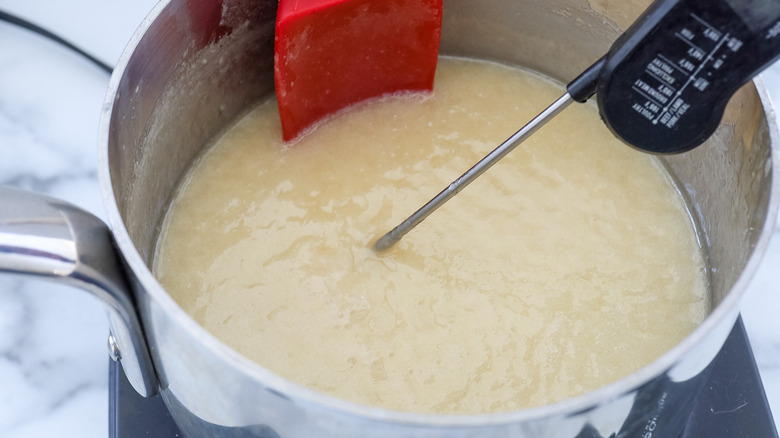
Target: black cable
point(4, 16)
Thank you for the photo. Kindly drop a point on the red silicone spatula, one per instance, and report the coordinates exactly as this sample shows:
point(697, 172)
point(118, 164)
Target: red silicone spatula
point(330, 54)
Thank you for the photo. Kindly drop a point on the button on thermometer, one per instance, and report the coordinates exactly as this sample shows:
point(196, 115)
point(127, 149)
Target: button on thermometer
point(663, 85)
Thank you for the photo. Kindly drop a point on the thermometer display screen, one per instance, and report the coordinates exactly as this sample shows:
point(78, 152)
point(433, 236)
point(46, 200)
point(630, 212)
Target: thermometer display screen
point(757, 14)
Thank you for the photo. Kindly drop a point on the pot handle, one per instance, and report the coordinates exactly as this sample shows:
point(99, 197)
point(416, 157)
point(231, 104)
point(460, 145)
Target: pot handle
point(48, 238)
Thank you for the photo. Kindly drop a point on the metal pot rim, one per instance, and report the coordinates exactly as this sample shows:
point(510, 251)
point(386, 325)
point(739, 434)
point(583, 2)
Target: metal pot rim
point(579, 403)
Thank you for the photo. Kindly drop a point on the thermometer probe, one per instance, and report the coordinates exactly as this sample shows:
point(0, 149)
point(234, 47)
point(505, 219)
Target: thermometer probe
point(662, 87)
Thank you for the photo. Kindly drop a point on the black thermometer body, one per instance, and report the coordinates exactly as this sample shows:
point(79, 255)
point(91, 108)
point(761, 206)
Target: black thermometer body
point(664, 84)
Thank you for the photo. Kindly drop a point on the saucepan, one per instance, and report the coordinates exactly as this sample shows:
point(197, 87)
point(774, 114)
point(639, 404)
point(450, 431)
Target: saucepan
point(195, 65)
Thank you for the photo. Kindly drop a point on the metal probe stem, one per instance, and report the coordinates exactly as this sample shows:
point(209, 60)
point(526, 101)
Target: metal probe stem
point(394, 235)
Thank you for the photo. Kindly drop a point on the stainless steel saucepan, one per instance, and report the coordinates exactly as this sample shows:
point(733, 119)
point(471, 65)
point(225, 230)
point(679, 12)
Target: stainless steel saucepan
point(194, 65)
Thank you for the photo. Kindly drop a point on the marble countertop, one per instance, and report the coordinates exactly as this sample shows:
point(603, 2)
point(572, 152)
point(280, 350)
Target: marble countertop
point(53, 355)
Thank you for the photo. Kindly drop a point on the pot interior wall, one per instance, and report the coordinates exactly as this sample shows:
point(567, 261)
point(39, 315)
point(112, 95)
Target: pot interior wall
point(197, 67)
point(203, 63)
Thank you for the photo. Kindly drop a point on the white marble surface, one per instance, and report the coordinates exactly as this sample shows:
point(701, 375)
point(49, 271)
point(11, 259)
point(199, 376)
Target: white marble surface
point(53, 361)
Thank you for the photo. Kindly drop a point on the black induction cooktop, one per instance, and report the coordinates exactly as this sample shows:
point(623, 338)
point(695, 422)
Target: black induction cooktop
point(731, 404)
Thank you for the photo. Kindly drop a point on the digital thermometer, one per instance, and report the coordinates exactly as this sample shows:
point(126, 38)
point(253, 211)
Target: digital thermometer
point(663, 85)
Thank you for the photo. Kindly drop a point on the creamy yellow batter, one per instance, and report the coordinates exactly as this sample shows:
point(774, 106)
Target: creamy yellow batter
point(571, 263)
